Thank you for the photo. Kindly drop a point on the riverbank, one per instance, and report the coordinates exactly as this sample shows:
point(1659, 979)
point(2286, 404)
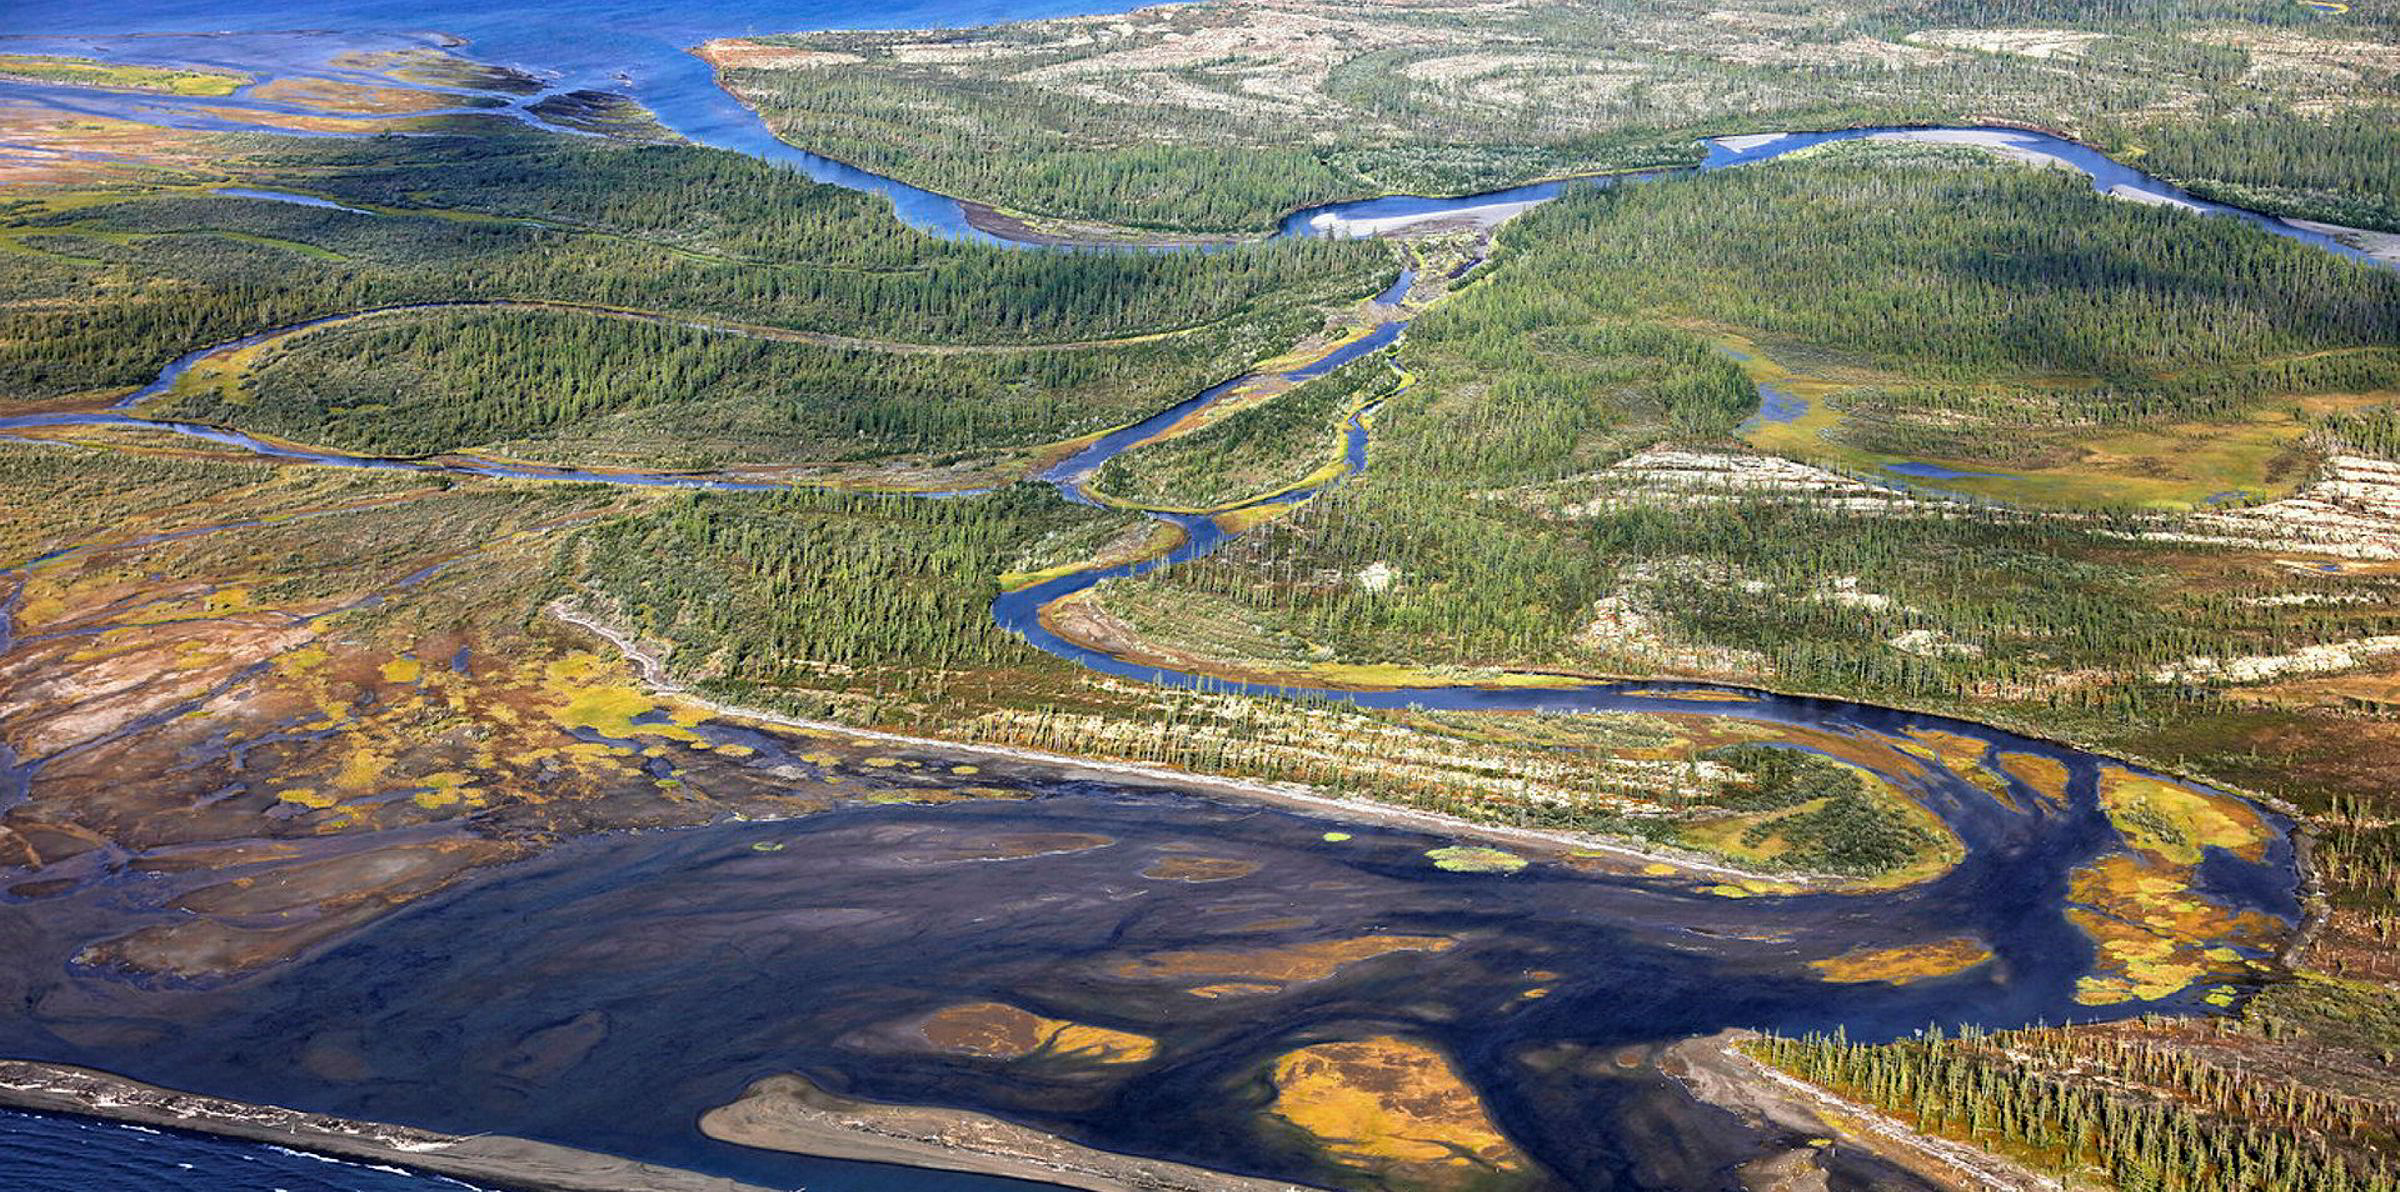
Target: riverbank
point(1715, 1070)
point(518, 1163)
point(654, 674)
point(788, 1113)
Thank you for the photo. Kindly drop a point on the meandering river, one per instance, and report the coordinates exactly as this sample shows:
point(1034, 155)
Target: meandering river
point(604, 995)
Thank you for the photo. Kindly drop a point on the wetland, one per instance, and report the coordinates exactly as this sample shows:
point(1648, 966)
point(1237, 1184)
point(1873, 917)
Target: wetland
point(781, 749)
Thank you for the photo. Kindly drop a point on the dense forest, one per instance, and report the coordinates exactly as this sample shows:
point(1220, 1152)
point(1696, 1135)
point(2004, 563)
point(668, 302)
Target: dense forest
point(1957, 265)
point(799, 589)
point(1256, 450)
point(1508, 543)
point(2020, 1093)
point(1222, 118)
point(418, 382)
point(112, 290)
point(2342, 168)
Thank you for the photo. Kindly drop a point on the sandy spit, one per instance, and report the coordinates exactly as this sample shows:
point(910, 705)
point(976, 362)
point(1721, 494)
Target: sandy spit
point(787, 1113)
point(1717, 1073)
point(513, 1162)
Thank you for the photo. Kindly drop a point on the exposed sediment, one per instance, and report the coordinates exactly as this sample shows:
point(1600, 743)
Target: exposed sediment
point(788, 1113)
point(1718, 1073)
point(515, 1162)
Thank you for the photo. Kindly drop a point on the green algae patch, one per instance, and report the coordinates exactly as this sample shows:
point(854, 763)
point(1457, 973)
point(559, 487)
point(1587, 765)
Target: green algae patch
point(1463, 858)
point(2175, 823)
point(608, 711)
point(121, 76)
point(604, 707)
point(1904, 965)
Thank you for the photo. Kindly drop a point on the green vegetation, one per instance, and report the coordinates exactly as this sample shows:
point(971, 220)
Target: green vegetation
point(1222, 117)
point(1838, 826)
point(1262, 448)
point(590, 385)
point(806, 588)
point(602, 112)
point(2174, 1125)
point(1506, 546)
point(124, 284)
point(87, 72)
point(1954, 264)
point(2342, 168)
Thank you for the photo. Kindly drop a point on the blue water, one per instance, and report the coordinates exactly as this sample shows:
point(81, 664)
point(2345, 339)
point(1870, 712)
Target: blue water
point(1926, 471)
point(64, 1153)
point(1775, 403)
point(285, 196)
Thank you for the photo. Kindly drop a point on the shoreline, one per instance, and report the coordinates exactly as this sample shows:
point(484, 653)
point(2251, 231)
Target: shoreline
point(653, 673)
point(516, 1163)
point(1714, 1071)
point(789, 1113)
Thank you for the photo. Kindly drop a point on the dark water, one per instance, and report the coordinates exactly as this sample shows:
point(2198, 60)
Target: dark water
point(62, 1153)
point(607, 994)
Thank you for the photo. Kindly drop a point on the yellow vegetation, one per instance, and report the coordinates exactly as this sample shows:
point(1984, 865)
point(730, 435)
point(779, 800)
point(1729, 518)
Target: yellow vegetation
point(1459, 858)
point(2153, 936)
point(1907, 964)
point(1291, 962)
point(2046, 776)
point(1396, 1110)
point(1000, 1031)
point(2174, 822)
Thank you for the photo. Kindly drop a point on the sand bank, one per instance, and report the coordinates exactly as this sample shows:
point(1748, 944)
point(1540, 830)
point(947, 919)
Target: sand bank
point(787, 1113)
point(512, 1162)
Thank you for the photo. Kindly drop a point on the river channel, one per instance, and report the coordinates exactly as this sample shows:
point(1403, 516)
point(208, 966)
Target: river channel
point(606, 994)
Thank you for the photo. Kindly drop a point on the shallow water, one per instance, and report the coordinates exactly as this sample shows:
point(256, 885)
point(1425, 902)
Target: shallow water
point(707, 963)
point(42, 1152)
point(690, 963)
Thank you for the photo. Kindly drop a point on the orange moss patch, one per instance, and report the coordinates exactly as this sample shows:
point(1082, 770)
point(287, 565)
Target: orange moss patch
point(996, 1030)
point(1961, 755)
point(1291, 963)
point(2153, 935)
point(733, 53)
point(332, 95)
point(1906, 964)
point(2048, 777)
point(1225, 989)
point(1395, 1111)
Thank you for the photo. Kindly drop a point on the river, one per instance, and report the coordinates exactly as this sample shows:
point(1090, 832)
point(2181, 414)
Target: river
point(707, 961)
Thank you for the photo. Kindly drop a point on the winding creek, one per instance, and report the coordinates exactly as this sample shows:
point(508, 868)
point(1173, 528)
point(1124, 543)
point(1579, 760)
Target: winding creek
point(605, 994)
